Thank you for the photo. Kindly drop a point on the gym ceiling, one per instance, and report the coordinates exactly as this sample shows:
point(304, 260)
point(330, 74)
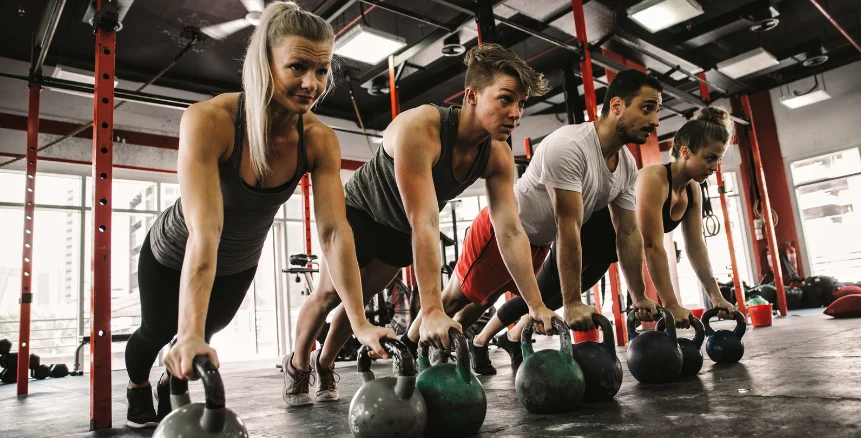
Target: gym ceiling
point(152, 35)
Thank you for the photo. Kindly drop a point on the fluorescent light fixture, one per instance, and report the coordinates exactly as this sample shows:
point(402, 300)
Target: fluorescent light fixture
point(367, 45)
point(656, 15)
point(793, 102)
point(747, 63)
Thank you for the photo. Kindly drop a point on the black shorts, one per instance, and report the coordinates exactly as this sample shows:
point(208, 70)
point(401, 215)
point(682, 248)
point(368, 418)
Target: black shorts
point(377, 241)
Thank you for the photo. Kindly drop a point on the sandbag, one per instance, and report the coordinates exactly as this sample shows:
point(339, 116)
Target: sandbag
point(845, 307)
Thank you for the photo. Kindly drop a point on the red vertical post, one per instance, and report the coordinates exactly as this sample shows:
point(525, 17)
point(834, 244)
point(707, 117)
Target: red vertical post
point(27, 256)
point(770, 235)
point(103, 146)
point(528, 145)
point(585, 60)
point(306, 211)
point(393, 88)
point(620, 321)
point(739, 291)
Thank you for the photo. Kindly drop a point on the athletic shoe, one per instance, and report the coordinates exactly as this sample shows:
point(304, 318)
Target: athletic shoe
point(296, 383)
point(327, 379)
point(141, 413)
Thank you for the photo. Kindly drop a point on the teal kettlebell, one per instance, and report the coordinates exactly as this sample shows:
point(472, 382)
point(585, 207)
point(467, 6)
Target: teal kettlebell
point(549, 381)
point(210, 420)
point(455, 399)
point(388, 406)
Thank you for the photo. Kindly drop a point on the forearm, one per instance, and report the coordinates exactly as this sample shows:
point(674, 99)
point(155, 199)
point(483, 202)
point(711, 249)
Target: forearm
point(517, 255)
point(427, 264)
point(339, 250)
point(569, 262)
point(196, 279)
point(659, 271)
point(630, 248)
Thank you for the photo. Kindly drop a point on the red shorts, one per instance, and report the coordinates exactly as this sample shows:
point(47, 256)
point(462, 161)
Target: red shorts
point(480, 268)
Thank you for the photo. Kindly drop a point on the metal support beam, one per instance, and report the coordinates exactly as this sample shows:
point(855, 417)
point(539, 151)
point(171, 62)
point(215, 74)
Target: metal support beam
point(104, 23)
point(27, 253)
point(573, 108)
point(408, 14)
point(736, 279)
point(393, 88)
point(306, 212)
point(47, 27)
point(585, 59)
point(485, 22)
point(770, 234)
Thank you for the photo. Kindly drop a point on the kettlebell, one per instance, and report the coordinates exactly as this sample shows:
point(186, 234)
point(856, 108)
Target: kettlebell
point(601, 368)
point(389, 406)
point(654, 356)
point(455, 399)
point(549, 381)
point(692, 354)
point(211, 419)
point(724, 346)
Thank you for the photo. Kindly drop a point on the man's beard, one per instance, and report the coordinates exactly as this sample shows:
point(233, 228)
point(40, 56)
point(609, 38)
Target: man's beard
point(627, 134)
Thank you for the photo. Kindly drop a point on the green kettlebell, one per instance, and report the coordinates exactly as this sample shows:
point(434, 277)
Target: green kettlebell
point(388, 406)
point(549, 381)
point(208, 420)
point(454, 397)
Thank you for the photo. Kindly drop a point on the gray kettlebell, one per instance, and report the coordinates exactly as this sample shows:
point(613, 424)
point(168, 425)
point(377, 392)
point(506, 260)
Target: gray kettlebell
point(209, 420)
point(388, 406)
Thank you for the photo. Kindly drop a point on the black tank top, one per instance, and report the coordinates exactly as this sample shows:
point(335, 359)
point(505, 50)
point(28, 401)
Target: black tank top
point(248, 211)
point(373, 188)
point(669, 223)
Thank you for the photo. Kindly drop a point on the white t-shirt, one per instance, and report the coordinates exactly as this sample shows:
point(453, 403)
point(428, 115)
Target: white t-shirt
point(570, 159)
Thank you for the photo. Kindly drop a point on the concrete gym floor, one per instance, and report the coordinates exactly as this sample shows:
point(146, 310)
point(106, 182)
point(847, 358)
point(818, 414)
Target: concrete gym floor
point(799, 377)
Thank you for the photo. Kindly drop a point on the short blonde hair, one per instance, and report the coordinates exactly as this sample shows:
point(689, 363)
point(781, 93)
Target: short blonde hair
point(485, 60)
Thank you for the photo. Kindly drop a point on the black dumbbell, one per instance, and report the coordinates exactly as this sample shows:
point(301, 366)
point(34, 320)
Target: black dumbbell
point(5, 347)
point(10, 368)
point(40, 372)
point(59, 370)
point(35, 361)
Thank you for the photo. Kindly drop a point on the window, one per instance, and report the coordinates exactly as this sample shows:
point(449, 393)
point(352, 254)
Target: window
point(828, 192)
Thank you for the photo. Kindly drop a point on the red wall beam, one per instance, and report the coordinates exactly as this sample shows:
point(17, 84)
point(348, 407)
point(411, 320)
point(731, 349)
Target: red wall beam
point(103, 150)
point(27, 256)
point(770, 234)
point(585, 60)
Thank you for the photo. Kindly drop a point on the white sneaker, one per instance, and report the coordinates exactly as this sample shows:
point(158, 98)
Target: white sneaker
point(296, 383)
point(327, 379)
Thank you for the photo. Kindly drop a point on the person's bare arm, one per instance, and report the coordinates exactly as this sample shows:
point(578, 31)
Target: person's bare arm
point(651, 191)
point(695, 245)
point(203, 140)
point(336, 236)
point(510, 237)
point(415, 139)
point(568, 209)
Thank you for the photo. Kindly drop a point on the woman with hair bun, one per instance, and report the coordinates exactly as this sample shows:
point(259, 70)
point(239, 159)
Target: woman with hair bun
point(241, 156)
point(669, 195)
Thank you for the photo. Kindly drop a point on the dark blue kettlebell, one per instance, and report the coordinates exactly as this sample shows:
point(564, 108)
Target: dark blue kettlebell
point(601, 368)
point(692, 354)
point(653, 356)
point(724, 346)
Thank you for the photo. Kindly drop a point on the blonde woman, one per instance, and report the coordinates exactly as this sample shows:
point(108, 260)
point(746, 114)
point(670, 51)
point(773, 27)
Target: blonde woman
point(241, 157)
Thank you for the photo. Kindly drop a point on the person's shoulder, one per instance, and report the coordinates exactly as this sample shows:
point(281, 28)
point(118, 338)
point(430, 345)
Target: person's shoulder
point(576, 140)
point(317, 130)
point(654, 175)
point(217, 111)
point(423, 118)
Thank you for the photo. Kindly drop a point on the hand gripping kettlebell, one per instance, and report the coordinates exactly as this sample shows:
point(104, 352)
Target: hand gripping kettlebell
point(455, 399)
point(724, 346)
point(209, 420)
point(388, 406)
point(654, 356)
point(549, 381)
point(601, 368)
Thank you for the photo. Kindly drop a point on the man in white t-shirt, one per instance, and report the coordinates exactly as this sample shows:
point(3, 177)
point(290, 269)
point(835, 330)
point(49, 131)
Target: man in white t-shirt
point(576, 170)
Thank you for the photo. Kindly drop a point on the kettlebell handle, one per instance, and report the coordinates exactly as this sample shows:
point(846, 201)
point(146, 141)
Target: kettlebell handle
point(565, 347)
point(607, 331)
point(405, 367)
point(214, 414)
point(669, 330)
point(740, 325)
point(461, 354)
point(699, 330)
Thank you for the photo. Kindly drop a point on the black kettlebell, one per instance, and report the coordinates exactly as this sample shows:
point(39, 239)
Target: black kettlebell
point(389, 406)
point(210, 420)
point(692, 354)
point(601, 368)
point(724, 346)
point(654, 356)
